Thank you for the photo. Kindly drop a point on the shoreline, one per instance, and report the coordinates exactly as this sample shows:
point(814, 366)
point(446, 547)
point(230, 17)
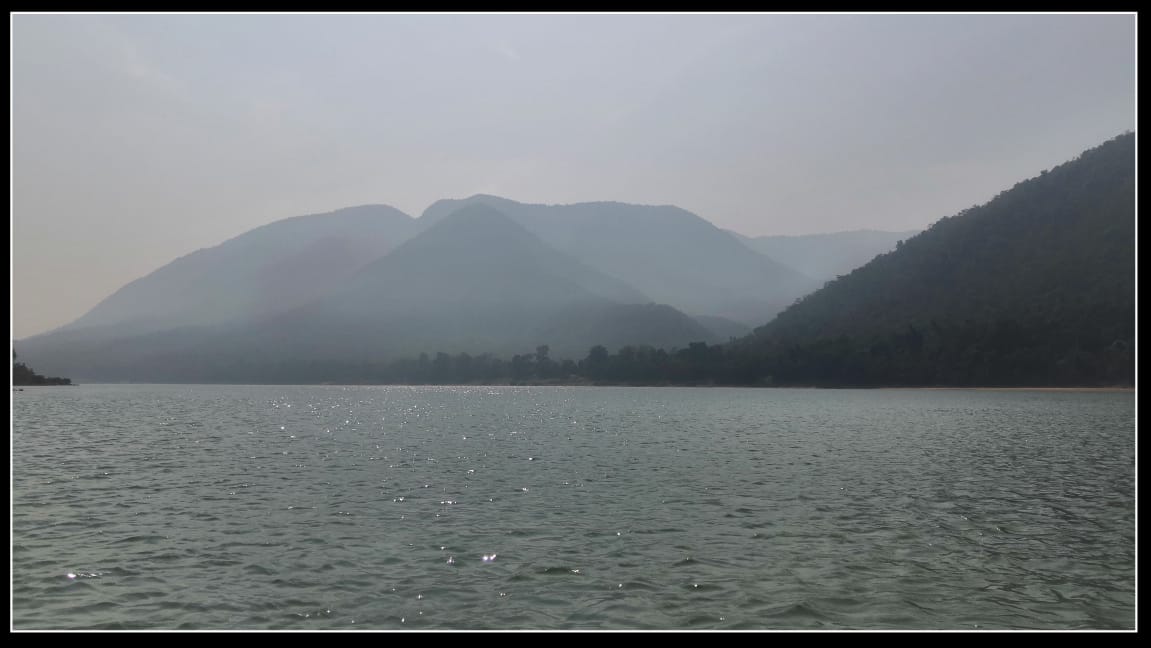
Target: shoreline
point(1045, 389)
point(656, 385)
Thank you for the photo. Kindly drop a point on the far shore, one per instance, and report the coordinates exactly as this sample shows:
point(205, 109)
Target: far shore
point(555, 383)
point(1047, 389)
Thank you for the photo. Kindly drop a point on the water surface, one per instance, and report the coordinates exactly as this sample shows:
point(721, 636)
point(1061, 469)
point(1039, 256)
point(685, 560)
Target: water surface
point(147, 506)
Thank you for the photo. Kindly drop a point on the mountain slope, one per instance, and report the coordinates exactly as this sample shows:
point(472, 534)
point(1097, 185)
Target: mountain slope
point(671, 255)
point(1035, 287)
point(477, 255)
point(475, 282)
point(824, 257)
point(270, 269)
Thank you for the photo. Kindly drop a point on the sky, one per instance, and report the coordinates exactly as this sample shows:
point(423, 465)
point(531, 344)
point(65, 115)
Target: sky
point(137, 139)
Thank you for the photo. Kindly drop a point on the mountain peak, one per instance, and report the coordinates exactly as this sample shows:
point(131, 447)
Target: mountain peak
point(269, 269)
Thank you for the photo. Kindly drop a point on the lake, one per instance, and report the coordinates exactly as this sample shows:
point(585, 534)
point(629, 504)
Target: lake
point(328, 507)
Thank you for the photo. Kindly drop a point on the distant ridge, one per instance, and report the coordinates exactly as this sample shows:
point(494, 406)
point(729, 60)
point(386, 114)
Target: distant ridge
point(670, 254)
point(270, 269)
point(476, 281)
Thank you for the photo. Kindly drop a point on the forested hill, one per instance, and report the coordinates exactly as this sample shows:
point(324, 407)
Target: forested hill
point(1036, 287)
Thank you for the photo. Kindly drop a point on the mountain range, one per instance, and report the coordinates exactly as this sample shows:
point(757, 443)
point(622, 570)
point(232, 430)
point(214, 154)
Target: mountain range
point(483, 274)
point(671, 255)
point(1035, 287)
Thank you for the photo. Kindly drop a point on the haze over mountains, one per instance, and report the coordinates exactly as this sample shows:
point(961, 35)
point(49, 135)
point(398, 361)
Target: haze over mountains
point(268, 270)
point(475, 281)
point(1035, 287)
point(670, 254)
point(824, 257)
point(483, 274)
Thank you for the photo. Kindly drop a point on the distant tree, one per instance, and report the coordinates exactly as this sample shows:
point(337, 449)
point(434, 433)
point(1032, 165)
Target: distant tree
point(22, 375)
point(595, 365)
point(545, 367)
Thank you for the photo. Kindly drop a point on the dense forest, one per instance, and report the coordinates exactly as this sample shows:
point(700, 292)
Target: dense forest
point(1036, 287)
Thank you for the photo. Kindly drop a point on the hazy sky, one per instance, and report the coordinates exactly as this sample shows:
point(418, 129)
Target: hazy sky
point(137, 139)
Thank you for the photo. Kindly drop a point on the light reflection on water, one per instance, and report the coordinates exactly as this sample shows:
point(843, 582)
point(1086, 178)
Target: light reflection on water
point(551, 507)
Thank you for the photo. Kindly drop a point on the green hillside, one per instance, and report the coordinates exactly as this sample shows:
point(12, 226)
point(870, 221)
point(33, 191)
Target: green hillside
point(1036, 287)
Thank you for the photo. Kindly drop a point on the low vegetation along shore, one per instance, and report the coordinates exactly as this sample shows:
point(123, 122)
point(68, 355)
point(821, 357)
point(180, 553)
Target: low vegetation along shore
point(22, 376)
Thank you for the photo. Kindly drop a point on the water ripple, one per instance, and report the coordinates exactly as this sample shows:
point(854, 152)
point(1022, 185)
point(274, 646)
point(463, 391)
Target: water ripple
point(313, 508)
